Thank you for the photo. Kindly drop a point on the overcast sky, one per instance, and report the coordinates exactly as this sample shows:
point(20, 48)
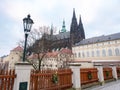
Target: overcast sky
point(98, 16)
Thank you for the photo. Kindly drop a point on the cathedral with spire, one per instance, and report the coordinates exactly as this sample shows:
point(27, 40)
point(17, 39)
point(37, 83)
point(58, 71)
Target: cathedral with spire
point(65, 39)
point(68, 39)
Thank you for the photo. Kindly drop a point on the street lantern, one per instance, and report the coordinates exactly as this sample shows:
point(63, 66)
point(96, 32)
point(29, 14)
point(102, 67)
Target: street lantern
point(27, 23)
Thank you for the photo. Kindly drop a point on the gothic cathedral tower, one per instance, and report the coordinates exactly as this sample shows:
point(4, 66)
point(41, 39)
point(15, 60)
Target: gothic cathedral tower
point(76, 30)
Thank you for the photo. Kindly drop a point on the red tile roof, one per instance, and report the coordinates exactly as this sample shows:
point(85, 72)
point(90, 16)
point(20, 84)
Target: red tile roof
point(18, 48)
point(66, 51)
point(47, 55)
point(52, 54)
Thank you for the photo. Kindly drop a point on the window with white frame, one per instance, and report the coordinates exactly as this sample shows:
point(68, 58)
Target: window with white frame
point(117, 52)
point(103, 53)
point(75, 55)
point(88, 54)
point(97, 53)
point(92, 53)
point(115, 41)
point(109, 52)
point(79, 55)
point(83, 55)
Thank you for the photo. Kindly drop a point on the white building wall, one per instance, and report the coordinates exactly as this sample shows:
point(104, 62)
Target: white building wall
point(112, 45)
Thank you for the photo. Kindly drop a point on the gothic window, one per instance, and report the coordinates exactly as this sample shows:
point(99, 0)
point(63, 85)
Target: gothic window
point(109, 52)
point(103, 53)
point(117, 52)
point(98, 53)
point(92, 53)
point(88, 54)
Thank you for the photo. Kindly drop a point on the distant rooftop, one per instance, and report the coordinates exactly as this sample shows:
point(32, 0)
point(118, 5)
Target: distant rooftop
point(102, 38)
point(52, 54)
point(18, 48)
point(62, 35)
point(66, 51)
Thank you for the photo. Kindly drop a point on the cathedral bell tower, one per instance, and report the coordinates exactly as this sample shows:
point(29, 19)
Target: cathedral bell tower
point(63, 27)
point(76, 30)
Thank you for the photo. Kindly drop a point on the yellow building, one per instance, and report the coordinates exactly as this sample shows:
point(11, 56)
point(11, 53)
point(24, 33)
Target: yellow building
point(14, 56)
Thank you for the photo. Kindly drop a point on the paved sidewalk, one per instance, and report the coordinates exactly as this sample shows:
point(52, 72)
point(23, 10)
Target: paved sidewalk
point(115, 85)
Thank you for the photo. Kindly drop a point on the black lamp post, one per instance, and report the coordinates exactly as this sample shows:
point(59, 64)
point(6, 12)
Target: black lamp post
point(27, 23)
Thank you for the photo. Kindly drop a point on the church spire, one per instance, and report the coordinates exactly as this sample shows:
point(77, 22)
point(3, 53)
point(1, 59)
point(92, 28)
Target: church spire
point(76, 30)
point(74, 24)
point(73, 29)
point(63, 27)
point(80, 22)
point(74, 15)
point(74, 20)
point(51, 30)
point(80, 28)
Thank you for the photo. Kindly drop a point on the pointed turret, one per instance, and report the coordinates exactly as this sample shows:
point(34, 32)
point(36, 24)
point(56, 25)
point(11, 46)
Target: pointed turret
point(81, 29)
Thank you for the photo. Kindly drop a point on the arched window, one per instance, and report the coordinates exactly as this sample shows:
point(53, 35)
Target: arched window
point(97, 53)
point(109, 52)
point(83, 54)
point(117, 52)
point(79, 54)
point(92, 53)
point(103, 53)
point(75, 55)
point(88, 54)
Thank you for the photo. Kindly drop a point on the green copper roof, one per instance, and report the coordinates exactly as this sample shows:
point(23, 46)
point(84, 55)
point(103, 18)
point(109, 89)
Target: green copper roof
point(51, 30)
point(63, 27)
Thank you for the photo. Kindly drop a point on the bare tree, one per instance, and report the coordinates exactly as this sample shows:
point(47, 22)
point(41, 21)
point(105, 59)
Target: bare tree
point(38, 43)
point(40, 47)
point(34, 35)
